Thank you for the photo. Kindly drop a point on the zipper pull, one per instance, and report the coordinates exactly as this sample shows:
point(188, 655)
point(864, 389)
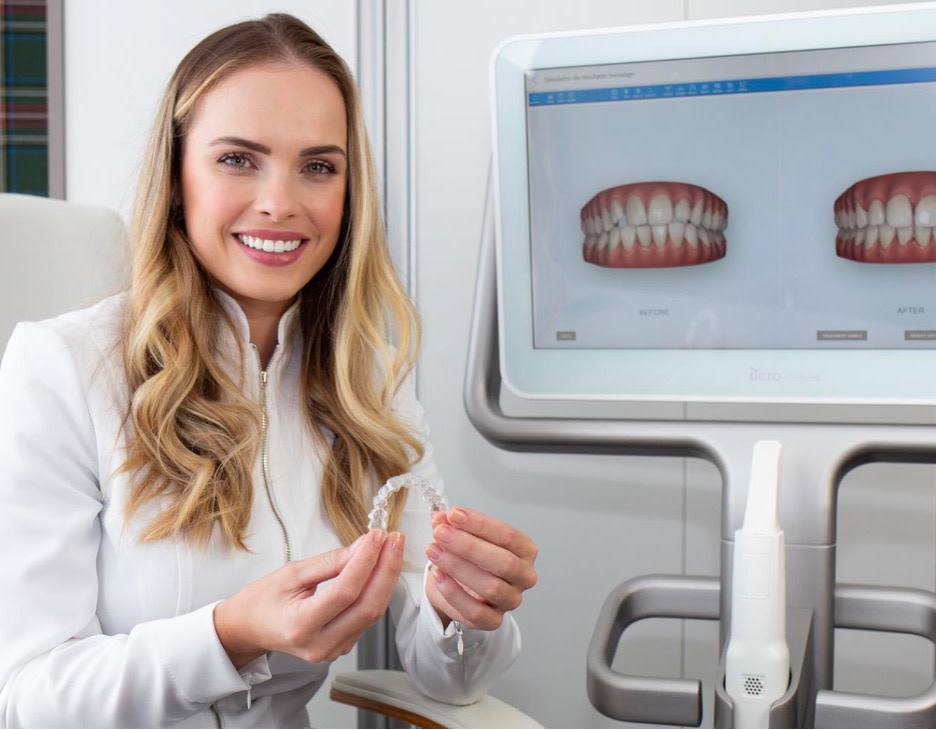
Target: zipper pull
point(460, 633)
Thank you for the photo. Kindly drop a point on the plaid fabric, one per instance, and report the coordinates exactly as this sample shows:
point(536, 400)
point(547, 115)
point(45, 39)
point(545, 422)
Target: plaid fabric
point(24, 140)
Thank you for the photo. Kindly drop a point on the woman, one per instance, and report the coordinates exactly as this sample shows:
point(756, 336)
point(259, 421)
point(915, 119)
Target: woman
point(186, 468)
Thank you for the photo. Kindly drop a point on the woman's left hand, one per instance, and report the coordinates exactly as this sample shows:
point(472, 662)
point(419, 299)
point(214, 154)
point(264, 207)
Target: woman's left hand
point(480, 568)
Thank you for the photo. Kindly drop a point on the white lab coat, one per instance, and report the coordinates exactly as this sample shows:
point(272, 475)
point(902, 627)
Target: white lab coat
point(98, 629)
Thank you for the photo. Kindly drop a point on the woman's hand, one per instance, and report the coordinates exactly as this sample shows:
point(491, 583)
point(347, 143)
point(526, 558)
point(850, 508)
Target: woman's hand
point(481, 567)
point(286, 611)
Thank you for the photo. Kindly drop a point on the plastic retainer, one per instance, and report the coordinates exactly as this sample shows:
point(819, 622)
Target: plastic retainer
point(377, 518)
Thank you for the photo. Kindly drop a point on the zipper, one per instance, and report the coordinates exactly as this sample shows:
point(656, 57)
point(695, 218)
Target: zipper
point(217, 716)
point(264, 453)
point(460, 633)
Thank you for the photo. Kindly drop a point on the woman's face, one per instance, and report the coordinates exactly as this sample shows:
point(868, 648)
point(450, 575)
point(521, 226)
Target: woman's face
point(264, 167)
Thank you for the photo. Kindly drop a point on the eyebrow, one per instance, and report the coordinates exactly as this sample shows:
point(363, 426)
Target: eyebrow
point(264, 150)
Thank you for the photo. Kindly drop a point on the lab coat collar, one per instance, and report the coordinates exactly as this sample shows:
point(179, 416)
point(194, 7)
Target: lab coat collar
point(287, 330)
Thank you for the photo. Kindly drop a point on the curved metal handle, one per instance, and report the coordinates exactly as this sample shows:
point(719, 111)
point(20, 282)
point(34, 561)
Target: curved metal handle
point(896, 610)
point(648, 699)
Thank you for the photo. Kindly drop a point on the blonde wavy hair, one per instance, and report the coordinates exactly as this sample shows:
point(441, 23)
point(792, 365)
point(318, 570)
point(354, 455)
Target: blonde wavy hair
point(195, 436)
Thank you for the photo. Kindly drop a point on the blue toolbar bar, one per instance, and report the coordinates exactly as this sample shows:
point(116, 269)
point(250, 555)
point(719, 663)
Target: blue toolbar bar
point(734, 86)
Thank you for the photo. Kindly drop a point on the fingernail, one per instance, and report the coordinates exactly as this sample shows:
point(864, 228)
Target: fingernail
point(439, 576)
point(433, 552)
point(378, 536)
point(444, 533)
point(459, 515)
point(396, 541)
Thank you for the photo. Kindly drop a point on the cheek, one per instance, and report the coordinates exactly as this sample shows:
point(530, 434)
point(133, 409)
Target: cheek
point(328, 212)
point(209, 206)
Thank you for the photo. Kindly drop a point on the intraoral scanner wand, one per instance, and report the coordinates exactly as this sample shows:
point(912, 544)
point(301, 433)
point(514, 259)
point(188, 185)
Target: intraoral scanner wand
point(757, 662)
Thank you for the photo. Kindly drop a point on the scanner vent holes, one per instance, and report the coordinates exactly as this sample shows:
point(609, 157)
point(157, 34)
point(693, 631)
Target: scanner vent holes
point(752, 685)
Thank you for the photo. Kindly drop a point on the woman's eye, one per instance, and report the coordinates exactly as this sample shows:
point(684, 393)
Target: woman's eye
point(235, 159)
point(320, 167)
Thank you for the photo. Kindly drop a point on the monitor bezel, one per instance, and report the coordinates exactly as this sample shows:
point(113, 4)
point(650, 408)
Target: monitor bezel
point(543, 375)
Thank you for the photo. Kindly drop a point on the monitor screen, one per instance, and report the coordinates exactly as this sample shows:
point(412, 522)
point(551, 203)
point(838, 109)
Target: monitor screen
point(741, 211)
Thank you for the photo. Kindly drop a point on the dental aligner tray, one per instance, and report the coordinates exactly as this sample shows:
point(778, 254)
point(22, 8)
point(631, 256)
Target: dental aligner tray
point(377, 518)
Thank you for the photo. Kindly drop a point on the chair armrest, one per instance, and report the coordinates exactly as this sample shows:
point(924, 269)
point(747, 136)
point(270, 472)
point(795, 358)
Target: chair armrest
point(391, 693)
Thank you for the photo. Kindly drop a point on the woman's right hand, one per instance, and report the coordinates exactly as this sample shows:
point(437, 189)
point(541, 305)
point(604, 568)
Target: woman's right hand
point(284, 611)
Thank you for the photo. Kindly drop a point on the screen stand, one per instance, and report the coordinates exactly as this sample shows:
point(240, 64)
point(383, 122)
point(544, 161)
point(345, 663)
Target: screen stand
point(816, 458)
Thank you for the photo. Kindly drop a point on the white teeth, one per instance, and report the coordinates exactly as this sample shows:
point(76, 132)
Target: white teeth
point(617, 212)
point(923, 234)
point(904, 234)
point(659, 235)
point(692, 235)
point(876, 213)
point(926, 211)
point(614, 238)
point(861, 216)
point(603, 240)
point(695, 217)
point(628, 237)
point(660, 211)
point(707, 219)
point(676, 231)
point(682, 211)
point(606, 223)
point(860, 235)
point(886, 233)
point(705, 237)
point(851, 218)
point(899, 211)
point(261, 244)
point(636, 211)
point(718, 221)
point(872, 236)
point(644, 235)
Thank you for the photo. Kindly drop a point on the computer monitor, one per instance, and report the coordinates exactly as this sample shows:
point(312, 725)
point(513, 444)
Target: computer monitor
point(731, 212)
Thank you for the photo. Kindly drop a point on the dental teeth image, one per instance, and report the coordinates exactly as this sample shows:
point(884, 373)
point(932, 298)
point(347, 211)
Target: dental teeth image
point(654, 225)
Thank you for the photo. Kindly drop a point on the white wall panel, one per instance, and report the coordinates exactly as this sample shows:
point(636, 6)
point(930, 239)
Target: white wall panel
point(119, 56)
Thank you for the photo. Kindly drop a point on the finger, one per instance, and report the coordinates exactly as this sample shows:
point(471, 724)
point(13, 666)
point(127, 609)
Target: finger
point(305, 575)
point(475, 581)
point(461, 606)
point(345, 589)
point(374, 598)
point(492, 558)
point(493, 531)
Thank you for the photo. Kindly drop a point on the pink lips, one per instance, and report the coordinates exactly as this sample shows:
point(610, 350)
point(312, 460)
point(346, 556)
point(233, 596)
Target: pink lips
point(270, 258)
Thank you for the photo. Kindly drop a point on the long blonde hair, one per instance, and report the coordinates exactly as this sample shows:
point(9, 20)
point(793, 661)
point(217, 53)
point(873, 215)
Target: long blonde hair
point(195, 436)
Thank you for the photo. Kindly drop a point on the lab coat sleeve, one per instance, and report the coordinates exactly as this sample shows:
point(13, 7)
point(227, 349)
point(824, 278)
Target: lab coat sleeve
point(57, 668)
point(430, 654)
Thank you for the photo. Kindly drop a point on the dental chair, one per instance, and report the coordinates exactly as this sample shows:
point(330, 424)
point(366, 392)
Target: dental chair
point(57, 256)
point(60, 256)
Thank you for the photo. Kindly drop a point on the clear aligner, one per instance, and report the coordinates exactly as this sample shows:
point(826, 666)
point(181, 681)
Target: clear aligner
point(377, 518)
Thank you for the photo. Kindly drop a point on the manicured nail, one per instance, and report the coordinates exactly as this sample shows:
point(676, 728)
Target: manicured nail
point(434, 552)
point(439, 576)
point(378, 536)
point(445, 533)
point(396, 541)
point(459, 515)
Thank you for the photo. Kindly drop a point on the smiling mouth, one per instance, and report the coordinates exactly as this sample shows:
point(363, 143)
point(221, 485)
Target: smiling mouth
point(269, 246)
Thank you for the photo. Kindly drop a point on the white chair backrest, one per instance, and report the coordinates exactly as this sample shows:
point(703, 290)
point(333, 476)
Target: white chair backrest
point(56, 256)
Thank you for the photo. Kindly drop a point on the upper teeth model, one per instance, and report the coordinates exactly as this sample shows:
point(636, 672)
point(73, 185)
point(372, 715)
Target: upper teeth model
point(262, 244)
point(654, 224)
point(888, 219)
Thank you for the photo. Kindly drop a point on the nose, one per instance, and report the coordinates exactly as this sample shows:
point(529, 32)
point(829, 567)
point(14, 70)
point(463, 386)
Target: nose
point(277, 195)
